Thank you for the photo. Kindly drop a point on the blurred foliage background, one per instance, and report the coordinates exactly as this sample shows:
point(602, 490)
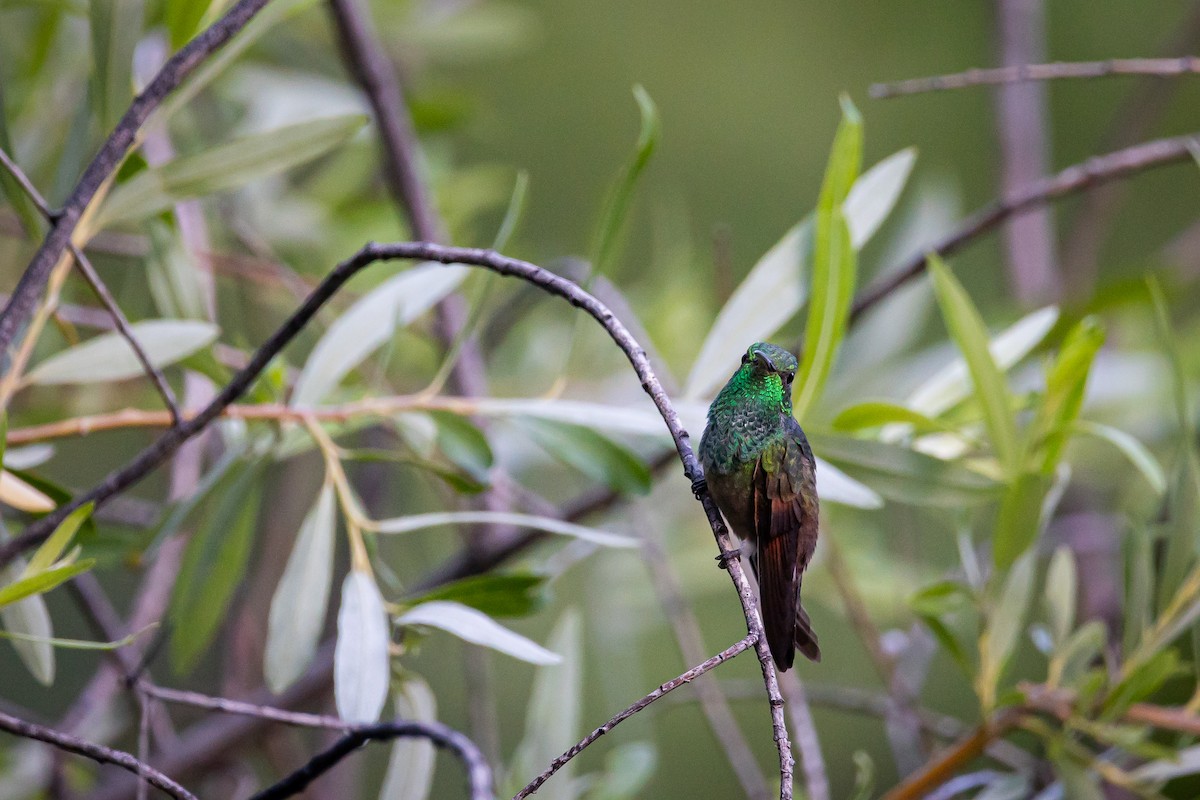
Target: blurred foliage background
point(538, 95)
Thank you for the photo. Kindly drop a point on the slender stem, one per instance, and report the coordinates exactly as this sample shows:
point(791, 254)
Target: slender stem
point(943, 767)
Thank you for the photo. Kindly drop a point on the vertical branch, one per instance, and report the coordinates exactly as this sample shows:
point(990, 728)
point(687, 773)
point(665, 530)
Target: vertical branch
point(1021, 119)
point(812, 762)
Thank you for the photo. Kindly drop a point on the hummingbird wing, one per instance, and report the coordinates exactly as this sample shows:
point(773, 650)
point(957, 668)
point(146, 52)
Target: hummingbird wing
point(785, 524)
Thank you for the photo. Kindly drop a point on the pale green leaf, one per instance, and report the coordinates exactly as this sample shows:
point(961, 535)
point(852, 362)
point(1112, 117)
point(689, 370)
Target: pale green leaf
point(74, 644)
point(418, 522)
point(593, 454)
point(297, 616)
point(360, 661)
point(116, 26)
point(476, 627)
point(876, 413)
point(835, 486)
point(41, 582)
point(617, 208)
point(182, 18)
point(1064, 390)
point(1060, 593)
point(874, 195)
point(1005, 622)
point(20, 495)
point(29, 617)
point(370, 322)
point(52, 548)
point(1019, 520)
point(411, 763)
point(1138, 454)
point(108, 357)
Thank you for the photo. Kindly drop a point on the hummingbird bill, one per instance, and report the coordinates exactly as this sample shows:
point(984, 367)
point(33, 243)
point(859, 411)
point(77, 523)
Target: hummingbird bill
point(760, 471)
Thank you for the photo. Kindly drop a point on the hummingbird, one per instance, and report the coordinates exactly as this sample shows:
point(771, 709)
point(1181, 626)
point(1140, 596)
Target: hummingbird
point(760, 470)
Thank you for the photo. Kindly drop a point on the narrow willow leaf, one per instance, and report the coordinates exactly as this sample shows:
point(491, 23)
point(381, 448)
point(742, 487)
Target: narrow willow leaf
point(298, 607)
point(42, 582)
point(991, 390)
point(1064, 390)
point(1183, 762)
point(593, 454)
point(627, 771)
point(1060, 594)
point(552, 718)
point(1072, 660)
point(213, 565)
point(1004, 626)
point(226, 166)
point(418, 522)
point(360, 658)
point(50, 550)
point(370, 322)
point(73, 644)
point(183, 20)
point(770, 295)
point(1019, 519)
point(116, 26)
point(461, 441)
point(29, 617)
point(1139, 582)
point(903, 474)
point(511, 595)
point(476, 627)
point(874, 195)
point(22, 204)
point(617, 208)
point(876, 413)
point(1137, 453)
point(835, 486)
point(108, 357)
point(20, 495)
point(410, 765)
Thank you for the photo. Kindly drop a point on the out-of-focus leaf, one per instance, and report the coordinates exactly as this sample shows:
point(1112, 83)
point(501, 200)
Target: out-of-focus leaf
point(874, 413)
point(770, 295)
point(864, 776)
point(213, 565)
point(476, 627)
point(1005, 787)
point(28, 457)
point(991, 390)
point(116, 26)
point(108, 356)
point(940, 598)
point(874, 195)
point(596, 456)
point(1178, 614)
point(18, 494)
point(360, 658)
point(464, 444)
point(1139, 591)
point(70, 644)
point(512, 595)
point(21, 202)
point(834, 266)
point(1072, 660)
point(1145, 680)
point(418, 522)
point(298, 607)
point(1064, 390)
point(410, 765)
point(370, 322)
point(226, 166)
point(29, 617)
point(1137, 453)
point(903, 474)
point(627, 770)
point(1004, 625)
point(42, 582)
point(1183, 762)
point(174, 281)
point(1078, 782)
point(835, 486)
point(1060, 594)
point(183, 20)
point(50, 550)
point(617, 207)
point(1019, 519)
point(952, 384)
point(552, 719)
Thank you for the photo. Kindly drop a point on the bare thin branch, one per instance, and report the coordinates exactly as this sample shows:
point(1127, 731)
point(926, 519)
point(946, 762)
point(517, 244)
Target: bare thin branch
point(1162, 67)
point(1080, 177)
point(661, 691)
point(808, 744)
point(96, 752)
point(120, 322)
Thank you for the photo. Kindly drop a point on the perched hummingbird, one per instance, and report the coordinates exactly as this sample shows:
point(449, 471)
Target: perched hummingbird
point(761, 473)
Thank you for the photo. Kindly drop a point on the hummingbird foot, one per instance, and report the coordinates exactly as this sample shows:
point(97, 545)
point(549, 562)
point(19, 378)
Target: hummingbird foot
point(727, 556)
point(699, 486)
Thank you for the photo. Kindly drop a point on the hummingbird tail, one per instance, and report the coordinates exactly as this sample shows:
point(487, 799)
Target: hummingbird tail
point(806, 639)
point(777, 592)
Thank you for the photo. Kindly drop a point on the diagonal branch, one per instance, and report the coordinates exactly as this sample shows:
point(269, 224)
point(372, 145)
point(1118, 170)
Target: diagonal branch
point(661, 691)
point(1078, 178)
point(96, 752)
point(33, 280)
point(120, 322)
point(1161, 67)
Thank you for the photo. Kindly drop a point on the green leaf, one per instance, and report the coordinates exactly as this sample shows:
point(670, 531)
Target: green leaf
point(627, 771)
point(949, 642)
point(29, 617)
point(360, 660)
point(108, 357)
point(1139, 592)
point(50, 550)
point(967, 329)
point(617, 207)
point(940, 598)
point(903, 474)
point(411, 763)
point(1019, 519)
point(116, 26)
point(1004, 625)
point(874, 195)
point(461, 441)
point(593, 454)
point(297, 616)
point(1060, 590)
point(22, 204)
point(1064, 391)
point(74, 644)
point(1145, 680)
point(417, 522)
point(835, 265)
point(1072, 660)
point(226, 166)
point(476, 627)
point(41, 582)
point(213, 566)
point(876, 413)
point(1138, 454)
point(369, 323)
point(510, 595)
point(182, 18)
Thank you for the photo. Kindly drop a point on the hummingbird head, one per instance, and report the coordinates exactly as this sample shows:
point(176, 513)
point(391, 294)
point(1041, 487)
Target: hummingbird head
point(772, 368)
